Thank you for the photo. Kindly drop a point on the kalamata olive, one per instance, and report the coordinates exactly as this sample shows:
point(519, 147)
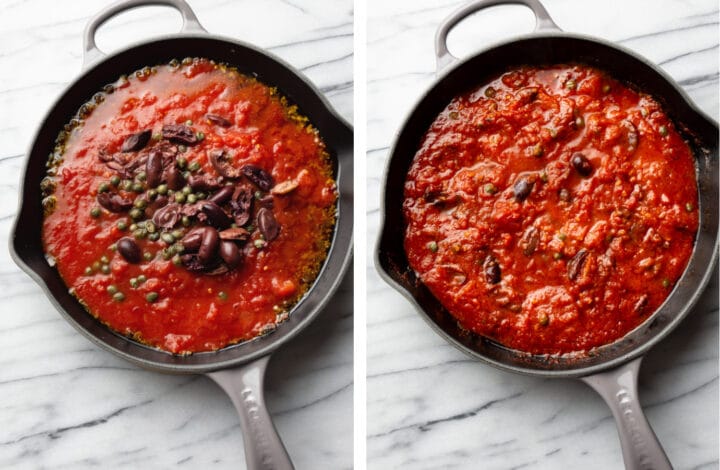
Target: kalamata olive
point(241, 204)
point(191, 242)
point(259, 177)
point(284, 188)
point(203, 183)
point(230, 254)
point(576, 264)
point(175, 179)
point(114, 202)
point(215, 215)
point(564, 195)
point(179, 133)
point(222, 196)
point(581, 164)
point(237, 234)
point(491, 269)
point(218, 120)
point(267, 224)
point(153, 168)
point(136, 141)
point(522, 189)
point(129, 250)
point(218, 159)
point(208, 245)
point(530, 241)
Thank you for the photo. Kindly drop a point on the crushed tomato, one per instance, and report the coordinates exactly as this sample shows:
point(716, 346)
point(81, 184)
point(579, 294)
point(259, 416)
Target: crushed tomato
point(552, 209)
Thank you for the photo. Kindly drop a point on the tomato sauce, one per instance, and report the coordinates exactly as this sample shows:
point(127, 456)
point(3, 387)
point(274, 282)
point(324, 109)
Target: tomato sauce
point(210, 128)
point(552, 209)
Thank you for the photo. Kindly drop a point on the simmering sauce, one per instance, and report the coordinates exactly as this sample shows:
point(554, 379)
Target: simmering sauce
point(189, 206)
point(552, 209)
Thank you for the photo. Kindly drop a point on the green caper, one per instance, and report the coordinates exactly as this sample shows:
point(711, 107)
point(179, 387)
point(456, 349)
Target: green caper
point(103, 187)
point(105, 269)
point(134, 282)
point(142, 176)
point(179, 198)
point(96, 266)
point(118, 296)
point(136, 213)
point(579, 121)
point(140, 203)
point(140, 233)
point(88, 271)
point(571, 84)
point(156, 136)
point(152, 193)
point(186, 190)
point(222, 295)
point(201, 195)
point(433, 246)
point(149, 226)
point(147, 256)
point(155, 236)
point(111, 289)
point(104, 259)
point(557, 256)
point(151, 297)
point(181, 162)
point(258, 195)
point(666, 283)
point(133, 227)
point(95, 212)
point(259, 244)
point(178, 248)
point(177, 233)
point(663, 130)
point(141, 278)
point(191, 199)
point(166, 255)
point(176, 260)
point(126, 185)
point(113, 247)
point(689, 207)
point(115, 180)
point(185, 221)
point(168, 238)
point(162, 189)
point(200, 136)
point(544, 319)
point(182, 148)
point(490, 188)
point(194, 166)
point(189, 122)
point(138, 188)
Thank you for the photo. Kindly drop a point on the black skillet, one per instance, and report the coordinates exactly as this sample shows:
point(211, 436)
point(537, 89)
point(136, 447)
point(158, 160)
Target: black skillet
point(238, 369)
point(611, 370)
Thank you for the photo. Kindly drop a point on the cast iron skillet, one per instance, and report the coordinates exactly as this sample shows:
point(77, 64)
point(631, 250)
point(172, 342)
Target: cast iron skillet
point(612, 369)
point(238, 369)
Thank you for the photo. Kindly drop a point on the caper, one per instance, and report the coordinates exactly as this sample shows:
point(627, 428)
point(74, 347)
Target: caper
point(490, 92)
point(178, 248)
point(179, 198)
point(103, 187)
point(115, 180)
point(133, 227)
point(150, 227)
point(136, 213)
point(140, 203)
point(105, 269)
point(433, 246)
point(222, 295)
point(571, 84)
point(113, 247)
point(162, 189)
point(185, 221)
point(176, 260)
point(200, 136)
point(490, 188)
point(181, 162)
point(182, 148)
point(111, 289)
point(96, 266)
point(168, 238)
point(166, 255)
point(177, 233)
point(259, 244)
point(663, 130)
point(152, 193)
point(126, 185)
point(156, 136)
point(88, 271)
point(95, 212)
point(151, 297)
point(579, 121)
point(118, 296)
point(689, 207)
point(140, 233)
point(137, 188)
point(201, 195)
point(133, 282)
point(104, 259)
point(141, 278)
point(544, 319)
point(142, 176)
point(186, 190)
point(194, 166)
point(147, 256)
point(191, 199)
point(189, 122)
point(666, 283)
point(557, 256)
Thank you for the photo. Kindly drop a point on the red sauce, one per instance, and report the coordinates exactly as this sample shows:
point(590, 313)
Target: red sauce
point(551, 210)
point(157, 300)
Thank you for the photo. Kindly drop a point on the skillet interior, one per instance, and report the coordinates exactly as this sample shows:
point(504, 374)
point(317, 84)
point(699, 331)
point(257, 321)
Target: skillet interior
point(26, 245)
point(699, 131)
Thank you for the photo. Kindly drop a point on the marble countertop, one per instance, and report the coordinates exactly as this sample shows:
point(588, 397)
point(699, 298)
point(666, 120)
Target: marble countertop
point(429, 406)
point(68, 404)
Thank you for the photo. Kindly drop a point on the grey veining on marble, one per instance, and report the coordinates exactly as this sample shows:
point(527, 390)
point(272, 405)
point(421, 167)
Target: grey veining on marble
point(431, 407)
point(67, 404)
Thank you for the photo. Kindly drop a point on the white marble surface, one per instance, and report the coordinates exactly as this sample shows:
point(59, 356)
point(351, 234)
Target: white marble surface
point(67, 404)
point(429, 406)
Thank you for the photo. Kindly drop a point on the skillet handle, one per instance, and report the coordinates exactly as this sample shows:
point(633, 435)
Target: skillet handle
point(543, 22)
point(263, 448)
point(640, 447)
point(92, 54)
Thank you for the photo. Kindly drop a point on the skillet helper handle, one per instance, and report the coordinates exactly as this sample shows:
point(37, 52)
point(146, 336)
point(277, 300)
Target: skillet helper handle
point(263, 448)
point(543, 22)
point(92, 54)
point(640, 447)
